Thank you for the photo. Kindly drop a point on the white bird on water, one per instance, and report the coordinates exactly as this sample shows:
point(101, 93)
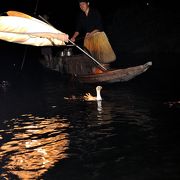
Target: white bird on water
point(88, 96)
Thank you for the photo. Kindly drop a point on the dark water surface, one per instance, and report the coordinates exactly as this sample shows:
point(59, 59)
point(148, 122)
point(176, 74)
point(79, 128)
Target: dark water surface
point(133, 134)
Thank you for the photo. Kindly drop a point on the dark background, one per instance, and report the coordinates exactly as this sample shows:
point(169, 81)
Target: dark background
point(142, 30)
point(63, 13)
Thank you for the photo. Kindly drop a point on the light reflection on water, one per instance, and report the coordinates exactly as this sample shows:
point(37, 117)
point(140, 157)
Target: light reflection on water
point(123, 136)
point(32, 145)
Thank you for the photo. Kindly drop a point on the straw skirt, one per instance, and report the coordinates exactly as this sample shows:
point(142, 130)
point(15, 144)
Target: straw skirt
point(99, 47)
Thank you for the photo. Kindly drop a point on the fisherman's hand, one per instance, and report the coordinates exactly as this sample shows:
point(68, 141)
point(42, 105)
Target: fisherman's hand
point(88, 35)
point(73, 39)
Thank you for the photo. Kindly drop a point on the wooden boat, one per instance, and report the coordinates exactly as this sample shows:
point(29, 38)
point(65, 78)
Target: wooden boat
point(84, 70)
point(116, 75)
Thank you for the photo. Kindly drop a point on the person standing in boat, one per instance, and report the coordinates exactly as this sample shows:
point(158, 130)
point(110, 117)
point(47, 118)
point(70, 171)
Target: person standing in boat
point(96, 42)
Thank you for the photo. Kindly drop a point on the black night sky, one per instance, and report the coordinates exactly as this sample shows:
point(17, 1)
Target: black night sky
point(63, 13)
point(141, 26)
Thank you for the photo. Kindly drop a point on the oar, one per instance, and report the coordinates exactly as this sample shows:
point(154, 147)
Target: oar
point(102, 67)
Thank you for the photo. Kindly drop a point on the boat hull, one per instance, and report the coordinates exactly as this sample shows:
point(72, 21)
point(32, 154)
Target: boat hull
point(116, 75)
point(82, 69)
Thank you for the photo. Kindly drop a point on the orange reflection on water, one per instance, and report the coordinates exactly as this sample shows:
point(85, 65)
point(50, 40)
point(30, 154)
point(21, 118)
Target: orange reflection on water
point(35, 147)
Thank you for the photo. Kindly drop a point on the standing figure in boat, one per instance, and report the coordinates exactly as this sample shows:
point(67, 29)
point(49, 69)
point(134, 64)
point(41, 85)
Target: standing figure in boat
point(96, 42)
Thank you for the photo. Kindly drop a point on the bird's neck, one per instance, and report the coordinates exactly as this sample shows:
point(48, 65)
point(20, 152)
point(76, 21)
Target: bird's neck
point(99, 95)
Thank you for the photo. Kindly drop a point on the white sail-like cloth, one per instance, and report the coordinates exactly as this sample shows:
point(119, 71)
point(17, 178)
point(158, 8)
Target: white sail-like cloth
point(30, 31)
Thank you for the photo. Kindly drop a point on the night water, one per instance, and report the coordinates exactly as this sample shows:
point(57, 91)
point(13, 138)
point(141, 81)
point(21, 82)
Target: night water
point(132, 134)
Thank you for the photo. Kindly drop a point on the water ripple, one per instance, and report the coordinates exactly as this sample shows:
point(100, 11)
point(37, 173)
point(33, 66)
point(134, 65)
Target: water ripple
point(34, 145)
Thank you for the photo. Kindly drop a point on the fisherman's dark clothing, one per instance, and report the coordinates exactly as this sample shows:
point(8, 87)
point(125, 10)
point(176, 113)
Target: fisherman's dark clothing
point(89, 23)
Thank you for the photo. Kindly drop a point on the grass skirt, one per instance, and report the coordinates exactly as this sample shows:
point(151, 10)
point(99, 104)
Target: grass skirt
point(99, 47)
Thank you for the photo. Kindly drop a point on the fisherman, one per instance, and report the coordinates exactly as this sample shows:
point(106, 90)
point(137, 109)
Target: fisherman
point(89, 23)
